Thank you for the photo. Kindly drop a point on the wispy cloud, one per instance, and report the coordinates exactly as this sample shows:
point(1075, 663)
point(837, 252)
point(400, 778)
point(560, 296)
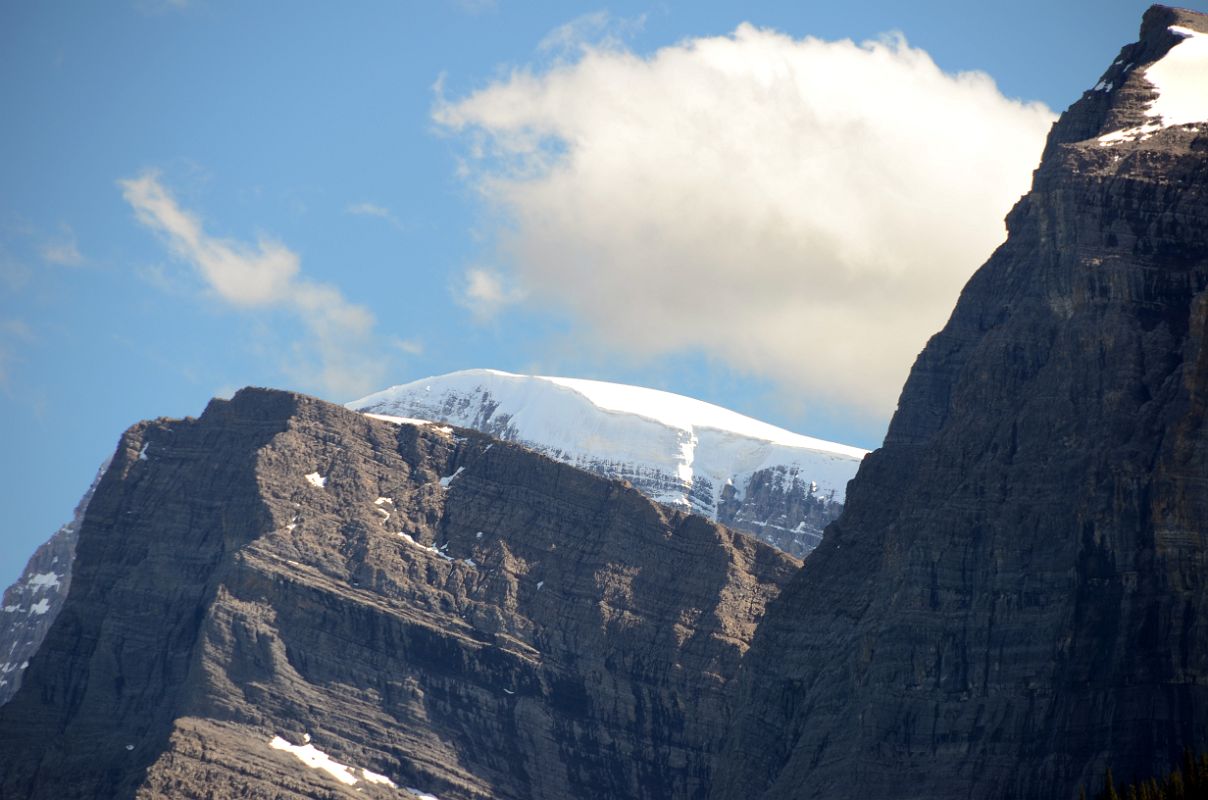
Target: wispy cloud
point(803, 210)
point(485, 292)
point(373, 210)
point(13, 334)
point(14, 273)
point(411, 347)
point(62, 249)
point(17, 329)
point(239, 273)
point(596, 30)
point(336, 356)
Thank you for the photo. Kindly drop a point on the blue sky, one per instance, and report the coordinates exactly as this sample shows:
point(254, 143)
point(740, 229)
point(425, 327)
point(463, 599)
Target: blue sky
point(201, 195)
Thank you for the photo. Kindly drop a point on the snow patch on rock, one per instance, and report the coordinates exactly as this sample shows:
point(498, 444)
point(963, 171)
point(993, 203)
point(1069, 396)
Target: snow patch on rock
point(44, 580)
point(1180, 83)
point(315, 758)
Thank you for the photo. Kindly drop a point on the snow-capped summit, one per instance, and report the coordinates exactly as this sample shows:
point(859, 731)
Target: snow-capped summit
point(781, 486)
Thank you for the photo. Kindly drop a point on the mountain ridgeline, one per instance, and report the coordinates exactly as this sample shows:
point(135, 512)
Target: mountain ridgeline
point(454, 613)
point(287, 599)
point(778, 486)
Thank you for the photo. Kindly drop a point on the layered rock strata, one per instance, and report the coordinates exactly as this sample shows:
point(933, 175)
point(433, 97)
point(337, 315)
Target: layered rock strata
point(1034, 610)
point(286, 599)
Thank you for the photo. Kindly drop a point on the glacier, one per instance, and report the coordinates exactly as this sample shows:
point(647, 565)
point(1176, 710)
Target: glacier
point(780, 486)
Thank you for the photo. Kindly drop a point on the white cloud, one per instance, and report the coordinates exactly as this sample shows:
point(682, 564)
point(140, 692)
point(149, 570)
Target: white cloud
point(335, 357)
point(62, 249)
point(485, 293)
point(598, 30)
point(411, 347)
point(240, 274)
point(369, 209)
point(373, 210)
point(804, 210)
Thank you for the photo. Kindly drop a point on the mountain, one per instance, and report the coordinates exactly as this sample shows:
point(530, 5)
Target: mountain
point(287, 599)
point(31, 604)
point(782, 487)
point(1035, 609)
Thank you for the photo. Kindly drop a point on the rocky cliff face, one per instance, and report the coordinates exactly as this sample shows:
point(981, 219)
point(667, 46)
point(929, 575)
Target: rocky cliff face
point(779, 486)
point(1035, 609)
point(285, 599)
point(31, 604)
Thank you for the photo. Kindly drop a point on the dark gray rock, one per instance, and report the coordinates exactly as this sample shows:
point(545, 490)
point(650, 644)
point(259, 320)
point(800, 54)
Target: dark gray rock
point(781, 506)
point(458, 614)
point(1035, 608)
point(474, 620)
point(31, 604)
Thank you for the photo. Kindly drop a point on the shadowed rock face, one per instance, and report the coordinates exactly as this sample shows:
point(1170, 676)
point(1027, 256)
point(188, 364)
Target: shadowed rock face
point(31, 604)
point(537, 631)
point(1035, 608)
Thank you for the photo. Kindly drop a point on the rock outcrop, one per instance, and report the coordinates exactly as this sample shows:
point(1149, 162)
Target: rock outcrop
point(1035, 609)
point(286, 599)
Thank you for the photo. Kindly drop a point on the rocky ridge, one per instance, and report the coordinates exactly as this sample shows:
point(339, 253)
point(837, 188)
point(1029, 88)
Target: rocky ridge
point(781, 487)
point(283, 583)
point(285, 599)
point(31, 604)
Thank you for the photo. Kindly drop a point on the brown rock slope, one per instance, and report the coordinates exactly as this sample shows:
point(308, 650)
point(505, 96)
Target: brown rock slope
point(1015, 596)
point(537, 633)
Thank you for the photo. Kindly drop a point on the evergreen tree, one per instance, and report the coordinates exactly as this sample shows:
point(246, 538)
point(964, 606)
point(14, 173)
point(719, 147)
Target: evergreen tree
point(1109, 787)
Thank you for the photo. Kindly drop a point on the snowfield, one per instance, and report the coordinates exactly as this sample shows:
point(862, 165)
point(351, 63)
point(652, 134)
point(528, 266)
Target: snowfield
point(679, 451)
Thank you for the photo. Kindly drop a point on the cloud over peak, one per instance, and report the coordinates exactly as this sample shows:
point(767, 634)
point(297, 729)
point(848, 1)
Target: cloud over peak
point(805, 210)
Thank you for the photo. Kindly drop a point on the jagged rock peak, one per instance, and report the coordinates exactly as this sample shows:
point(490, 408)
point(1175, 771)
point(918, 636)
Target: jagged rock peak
point(1157, 84)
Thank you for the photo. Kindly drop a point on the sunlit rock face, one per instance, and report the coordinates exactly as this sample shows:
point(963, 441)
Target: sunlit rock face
point(1033, 608)
point(288, 599)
